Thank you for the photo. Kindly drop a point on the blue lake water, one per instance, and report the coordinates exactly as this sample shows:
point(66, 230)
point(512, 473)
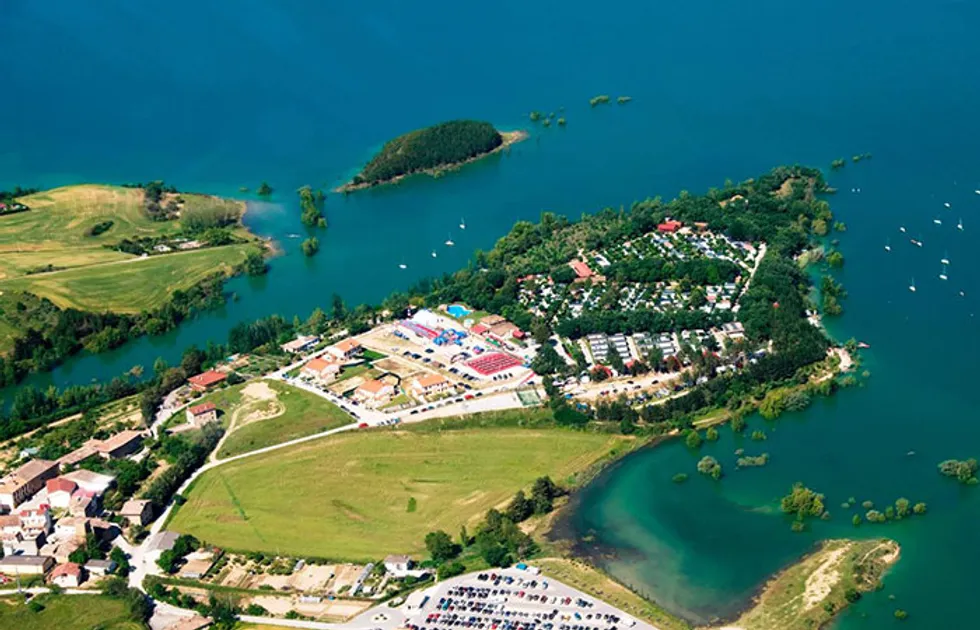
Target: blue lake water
point(214, 96)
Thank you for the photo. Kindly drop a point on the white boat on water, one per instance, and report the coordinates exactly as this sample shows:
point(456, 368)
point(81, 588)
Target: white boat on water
point(945, 259)
point(912, 286)
point(901, 229)
point(977, 191)
point(449, 241)
point(943, 275)
point(959, 226)
point(462, 224)
point(937, 221)
point(434, 253)
point(403, 266)
point(946, 204)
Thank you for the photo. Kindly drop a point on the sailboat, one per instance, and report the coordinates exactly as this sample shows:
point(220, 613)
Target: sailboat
point(959, 226)
point(901, 229)
point(912, 286)
point(937, 221)
point(977, 191)
point(403, 266)
point(462, 224)
point(888, 245)
point(434, 253)
point(449, 241)
point(945, 259)
point(946, 204)
point(943, 275)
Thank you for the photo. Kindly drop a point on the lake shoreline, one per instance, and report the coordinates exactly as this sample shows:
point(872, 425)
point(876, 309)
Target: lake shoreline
point(509, 138)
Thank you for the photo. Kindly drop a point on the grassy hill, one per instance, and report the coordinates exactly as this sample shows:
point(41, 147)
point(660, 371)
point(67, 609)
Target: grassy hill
point(440, 145)
point(348, 496)
point(67, 612)
point(56, 251)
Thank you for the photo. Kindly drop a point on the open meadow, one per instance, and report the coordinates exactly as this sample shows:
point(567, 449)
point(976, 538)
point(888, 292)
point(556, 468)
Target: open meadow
point(53, 251)
point(263, 413)
point(67, 612)
point(364, 494)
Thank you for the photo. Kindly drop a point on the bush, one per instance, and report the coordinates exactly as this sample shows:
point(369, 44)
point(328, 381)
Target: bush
point(710, 466)
point(450, 569)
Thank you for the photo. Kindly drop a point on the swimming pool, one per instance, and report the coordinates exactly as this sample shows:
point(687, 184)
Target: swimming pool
point(458, 310)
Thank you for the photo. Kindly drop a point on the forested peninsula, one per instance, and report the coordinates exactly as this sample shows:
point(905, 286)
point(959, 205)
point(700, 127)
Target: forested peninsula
point(432, 150)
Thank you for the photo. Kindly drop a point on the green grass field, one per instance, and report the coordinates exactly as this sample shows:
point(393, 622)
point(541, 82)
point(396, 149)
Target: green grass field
point(346, 496)
point(67, 612)
point(302, 414)
point(91, 276)
point(132, 286)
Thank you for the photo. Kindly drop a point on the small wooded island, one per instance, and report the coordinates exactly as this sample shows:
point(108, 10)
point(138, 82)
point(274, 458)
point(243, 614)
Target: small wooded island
point(432, 150)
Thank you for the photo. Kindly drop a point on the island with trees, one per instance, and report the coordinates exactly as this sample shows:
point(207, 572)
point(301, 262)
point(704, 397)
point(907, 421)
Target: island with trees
point(432, 150)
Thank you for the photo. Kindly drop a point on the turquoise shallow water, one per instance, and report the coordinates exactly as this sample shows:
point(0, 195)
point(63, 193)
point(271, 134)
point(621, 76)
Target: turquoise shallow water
point(213, 96)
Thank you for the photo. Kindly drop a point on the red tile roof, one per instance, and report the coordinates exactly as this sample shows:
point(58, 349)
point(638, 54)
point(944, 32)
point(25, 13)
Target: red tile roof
point(68, 568)
point(207, 378)
point(317, 365)
point(581, 269)
point(202, 408)
point(669, 226)
point(60, 484)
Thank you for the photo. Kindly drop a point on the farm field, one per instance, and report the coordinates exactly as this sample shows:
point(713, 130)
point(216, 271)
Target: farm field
point(67, 612)
point(130, 286)
point(346, 497)
point(89, 275)
point(262, 413)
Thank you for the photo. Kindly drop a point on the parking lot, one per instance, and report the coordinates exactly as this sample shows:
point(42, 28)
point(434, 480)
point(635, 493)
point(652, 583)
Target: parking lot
point(511, 599)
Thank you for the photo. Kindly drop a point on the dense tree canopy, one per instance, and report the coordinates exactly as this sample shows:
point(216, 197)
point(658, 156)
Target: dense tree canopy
point(446, 143)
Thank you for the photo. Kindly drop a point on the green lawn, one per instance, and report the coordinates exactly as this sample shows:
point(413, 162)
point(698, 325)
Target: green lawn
point(67, 612)
point(305, 414)
point(346, 496)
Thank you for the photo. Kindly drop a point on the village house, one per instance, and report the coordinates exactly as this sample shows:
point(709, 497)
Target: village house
point(300, 344)
point(137, 511)
point(67, 575)
point(36, 519)
point(345, 350)
point(669, 227)
point(60, 550)
point(373, 391)
point(119, 445)
point(83, 503)
point(26, 481)
point(431, 384)
point(72, 528)
point(100, 567)
point(76, 457)
point(398, 564)
point(26, 565)
point(9, 523)
point(158, 543)
point(581, 269)
point(207, 380)
point(321, 369)
point(60, 491)
point(23, 543)
point(199, 415)
point(92, 482)
point(402, 566)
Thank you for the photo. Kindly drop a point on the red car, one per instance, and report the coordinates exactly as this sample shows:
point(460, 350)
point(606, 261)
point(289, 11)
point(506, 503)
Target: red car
point(363, 425)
